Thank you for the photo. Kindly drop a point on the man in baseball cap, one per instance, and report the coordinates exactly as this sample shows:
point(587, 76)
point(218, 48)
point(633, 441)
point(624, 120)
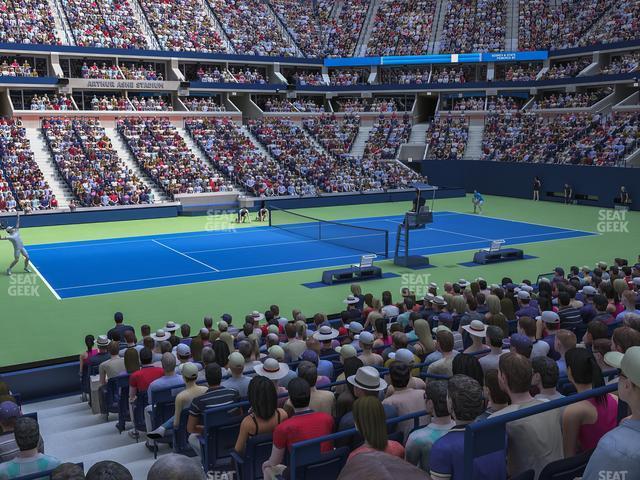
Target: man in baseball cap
point(617, 451)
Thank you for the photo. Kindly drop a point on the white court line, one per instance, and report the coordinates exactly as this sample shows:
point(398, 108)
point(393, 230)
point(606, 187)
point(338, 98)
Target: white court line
point(44, 280)
point(133, 281)
point(185, 255)
point(521, 221)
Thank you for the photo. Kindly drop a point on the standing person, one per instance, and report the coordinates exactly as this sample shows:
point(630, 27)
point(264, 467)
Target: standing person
point(120, 326)
point(13, 236)
point(618, 450)
point(477, 201)
point(568, 194)
point(537, 186)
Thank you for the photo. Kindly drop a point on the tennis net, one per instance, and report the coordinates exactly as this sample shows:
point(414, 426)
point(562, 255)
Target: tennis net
point(360, 239)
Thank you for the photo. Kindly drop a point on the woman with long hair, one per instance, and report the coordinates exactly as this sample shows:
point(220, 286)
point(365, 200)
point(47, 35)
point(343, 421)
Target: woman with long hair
point(425, 345)
point(389, 310)
point(131, 360)
point(383, 339)
point(370, 421)
point(89, 351)
point(585, 422)
point(264, 415)
point(221, 349)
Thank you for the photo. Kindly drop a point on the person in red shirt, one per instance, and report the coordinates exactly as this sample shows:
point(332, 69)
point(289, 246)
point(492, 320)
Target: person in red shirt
point(139, 381)
point(305, 424)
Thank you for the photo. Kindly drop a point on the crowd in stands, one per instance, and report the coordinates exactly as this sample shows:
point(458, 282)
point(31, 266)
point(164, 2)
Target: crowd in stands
point(214, 74)
point(104, 24)
point(309, 104)
point(234, 154)
point(402, 27)
point(447, 137)
point(518, 73)
point(442, 74)
point(307, 22)
point(464, 104)
point(343, 34)
point(573, 138)
point(11, 68)
point(27, 21)
point(621, 23)
point(500, 103)
point(104, 71)
point(183, 26)
point(143, 103)
point(571, 100)
point(269, 103)
point(406, 76)
point(60, 102)
point(140, 72)
point(252, 28)
point(386, 136)
point(346, 77)
point(20, 175)
point(474, 26)
point(90, 165)
point(106, 103)
point(450, 355)
point(203, 104)
point(622, 63)
point(336, 136)
point(164, 156)
point(248, 76)
point(566, 69)
point(306, 77)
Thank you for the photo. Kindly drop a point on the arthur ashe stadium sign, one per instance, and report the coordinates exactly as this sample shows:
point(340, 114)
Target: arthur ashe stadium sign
point(99, 84)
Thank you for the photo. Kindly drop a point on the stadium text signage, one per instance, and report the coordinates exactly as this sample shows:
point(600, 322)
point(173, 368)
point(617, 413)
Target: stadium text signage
point(123, 84)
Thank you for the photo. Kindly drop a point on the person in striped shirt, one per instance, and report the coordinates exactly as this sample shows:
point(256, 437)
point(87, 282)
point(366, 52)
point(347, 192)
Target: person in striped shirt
point(570, 317)
point(29, 460)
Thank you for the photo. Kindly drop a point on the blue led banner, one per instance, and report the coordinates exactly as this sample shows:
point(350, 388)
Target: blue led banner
point(440, 58)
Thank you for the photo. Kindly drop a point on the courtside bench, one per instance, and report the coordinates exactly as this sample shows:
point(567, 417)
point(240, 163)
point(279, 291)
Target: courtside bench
point(484, 257)
point(365, 270)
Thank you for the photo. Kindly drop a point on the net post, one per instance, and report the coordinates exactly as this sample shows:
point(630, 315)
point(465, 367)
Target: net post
point(386, 244)
point(269, 210)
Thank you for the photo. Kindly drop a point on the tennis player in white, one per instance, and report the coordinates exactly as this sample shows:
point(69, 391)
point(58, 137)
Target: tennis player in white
point(18, 246)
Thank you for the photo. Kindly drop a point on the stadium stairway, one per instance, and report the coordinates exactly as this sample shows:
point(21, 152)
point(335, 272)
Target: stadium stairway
point(193, 146)
point(63, 30)
point(255, 141)
point(440, 9)
point(418, 133)
point(125, 155)
point(473, 151)
point(359, 144)
point(513, 13)
point(42, 156)
point(361, 47)
point(72, 433)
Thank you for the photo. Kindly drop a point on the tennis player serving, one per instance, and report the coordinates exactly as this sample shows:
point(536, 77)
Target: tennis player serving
point(18, 246)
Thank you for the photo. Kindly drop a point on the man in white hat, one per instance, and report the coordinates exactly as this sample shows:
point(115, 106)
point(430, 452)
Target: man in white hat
point(617, 452)
point(478, 331)
point(366, 382)
point(352, 309)
point(367, 356)
point(325, 335)
point(237, 381)
point(274, 371)
point(171, 327)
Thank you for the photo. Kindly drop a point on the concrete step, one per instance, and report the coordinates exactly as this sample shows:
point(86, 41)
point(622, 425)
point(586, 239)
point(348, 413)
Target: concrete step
point(418, 133)
point(42, 156)
point(359, 144)
point(120, 146)
point(473, 150)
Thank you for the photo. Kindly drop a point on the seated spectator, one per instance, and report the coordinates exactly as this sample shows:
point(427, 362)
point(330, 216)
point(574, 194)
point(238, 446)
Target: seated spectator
point(9, 414)
point(369, 418)
point(585, 422)
point(169, 379)
point(444, 345)
point(420, 442)
point(140, 380)
point(447, 138)
point(68, 471)
point(114, 366)
point(321, 400)
point(107, 469)
point(237, 381)
point(304, 425)
point(28, 460)
point(14, 69)
point(533, 441)
point(203, 104)
point(176, 467)
point(618, 446)
point(264, 416)
point(134, 71)
point(404, 399)
point(545, 378)
point(465, 398)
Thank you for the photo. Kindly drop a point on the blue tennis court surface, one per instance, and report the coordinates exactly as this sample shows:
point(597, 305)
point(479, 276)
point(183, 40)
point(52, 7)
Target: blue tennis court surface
point(96, 267)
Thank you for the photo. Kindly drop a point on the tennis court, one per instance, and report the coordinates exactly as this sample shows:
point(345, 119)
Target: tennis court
point(97, 267)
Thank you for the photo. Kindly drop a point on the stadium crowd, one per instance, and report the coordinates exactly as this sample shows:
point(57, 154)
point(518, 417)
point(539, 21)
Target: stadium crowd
point(566, 69)
point(571, 100)
point(447, 137)
point(449, 355)
point(87, 161)
point(142, 103)
point(112, 103)
point(336, 136)
point(572, 138)
point(386, 136)
point(104, 71)
point(164, 156)
point(134, 71)
point(499, 103)
point(11, 68)
point(56, 102)
point(474, 26)
point(203, 104)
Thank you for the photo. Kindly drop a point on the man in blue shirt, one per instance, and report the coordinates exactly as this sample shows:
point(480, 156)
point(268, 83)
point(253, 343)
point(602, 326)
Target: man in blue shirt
point(168, 380)
point(466, 402)
point(477, 202)
point(617, 454)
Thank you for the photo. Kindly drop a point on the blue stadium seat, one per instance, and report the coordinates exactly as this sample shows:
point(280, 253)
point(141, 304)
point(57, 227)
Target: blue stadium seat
point(122, 387)
point(326, 465)
point(256, 452)
point(109, 398)
point(528, 475)
point(181, 437)
point(221, 429)
point(567, 468)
